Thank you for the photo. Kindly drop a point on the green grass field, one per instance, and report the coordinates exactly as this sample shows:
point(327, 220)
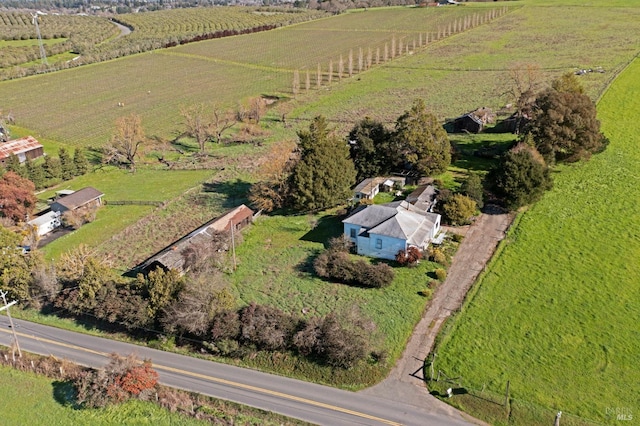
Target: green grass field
point(37, 400)
point(121, 185)
point(557, 313)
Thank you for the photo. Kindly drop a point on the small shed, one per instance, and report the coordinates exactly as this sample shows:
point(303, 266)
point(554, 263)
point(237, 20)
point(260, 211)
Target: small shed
point(367, 189)
point(27, 148)
point(423, 197)
point(468, 123)
point(87, 196)
point(46, 222)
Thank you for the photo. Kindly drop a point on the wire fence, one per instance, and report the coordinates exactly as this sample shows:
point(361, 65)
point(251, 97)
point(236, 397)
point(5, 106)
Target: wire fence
point(133, 203)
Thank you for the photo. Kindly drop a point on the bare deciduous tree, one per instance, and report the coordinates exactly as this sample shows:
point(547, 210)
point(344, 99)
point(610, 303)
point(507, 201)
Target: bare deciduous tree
point(126, 141)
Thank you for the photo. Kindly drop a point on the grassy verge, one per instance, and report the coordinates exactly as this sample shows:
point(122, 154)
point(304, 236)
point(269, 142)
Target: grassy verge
point(38, 400)
point(562, 299)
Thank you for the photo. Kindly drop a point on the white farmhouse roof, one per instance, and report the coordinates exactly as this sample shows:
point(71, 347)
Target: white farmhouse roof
point(396, 220)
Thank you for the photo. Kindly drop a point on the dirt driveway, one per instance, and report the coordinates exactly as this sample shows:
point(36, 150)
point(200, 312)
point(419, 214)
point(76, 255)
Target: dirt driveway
point(405, 382)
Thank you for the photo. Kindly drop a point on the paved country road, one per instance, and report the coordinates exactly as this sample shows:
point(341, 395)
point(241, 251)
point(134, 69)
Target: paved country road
point(307, 401)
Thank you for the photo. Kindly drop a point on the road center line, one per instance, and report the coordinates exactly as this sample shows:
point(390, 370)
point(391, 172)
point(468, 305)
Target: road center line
point(218, 380)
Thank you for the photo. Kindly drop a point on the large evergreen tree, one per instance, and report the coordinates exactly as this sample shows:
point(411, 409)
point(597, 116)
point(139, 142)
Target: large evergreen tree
point(522, 176)
point(424, 142)
point(35, 173)
point(52, 168)
point(80, 161)
point(371, 149)
point(325, 173)
point(66, 163)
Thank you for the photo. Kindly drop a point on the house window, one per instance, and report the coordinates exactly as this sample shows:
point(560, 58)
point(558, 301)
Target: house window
point(353, 232)
point(379, 243)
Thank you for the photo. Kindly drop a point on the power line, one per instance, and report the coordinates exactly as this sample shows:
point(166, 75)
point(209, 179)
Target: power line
point(6, 306)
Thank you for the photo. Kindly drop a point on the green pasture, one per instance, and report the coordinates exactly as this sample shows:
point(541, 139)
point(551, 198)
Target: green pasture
point(557, 313)
point(275, 267)
point(36, 400)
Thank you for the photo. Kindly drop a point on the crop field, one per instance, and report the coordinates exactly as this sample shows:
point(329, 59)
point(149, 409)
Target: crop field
point(562, 299)
point(156, 84)
point(472, 69)
point(453, 75)
point(297, 47)
point(182, 23)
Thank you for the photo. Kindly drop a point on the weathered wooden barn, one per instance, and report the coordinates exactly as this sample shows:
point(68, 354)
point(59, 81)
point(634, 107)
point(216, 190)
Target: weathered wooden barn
point(27, 148)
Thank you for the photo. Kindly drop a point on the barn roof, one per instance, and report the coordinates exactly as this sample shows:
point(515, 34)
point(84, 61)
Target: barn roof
point(79, 198)
point(18, 146)
point(172, 256)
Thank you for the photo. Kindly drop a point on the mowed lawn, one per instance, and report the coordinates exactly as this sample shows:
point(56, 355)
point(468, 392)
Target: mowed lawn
point(558, 312)
point(28, 399)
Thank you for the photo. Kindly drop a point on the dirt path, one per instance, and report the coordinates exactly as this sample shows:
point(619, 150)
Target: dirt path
point(405, 383)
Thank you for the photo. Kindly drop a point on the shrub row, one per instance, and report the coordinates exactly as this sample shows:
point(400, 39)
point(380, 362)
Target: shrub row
point(337, 265)
point(335, 340)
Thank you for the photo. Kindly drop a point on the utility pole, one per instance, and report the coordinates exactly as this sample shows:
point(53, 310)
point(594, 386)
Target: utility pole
point(233, 246)
point(6, 306)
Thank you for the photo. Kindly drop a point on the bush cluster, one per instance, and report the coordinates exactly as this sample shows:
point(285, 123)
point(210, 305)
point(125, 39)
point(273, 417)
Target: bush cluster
point(336, 264)
point(410, 257)
point(333, 340)
point(122, 379)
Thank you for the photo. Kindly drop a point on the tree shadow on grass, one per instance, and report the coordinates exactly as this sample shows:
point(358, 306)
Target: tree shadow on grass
point(326, 227)
point(235, 191)
point(65, 394)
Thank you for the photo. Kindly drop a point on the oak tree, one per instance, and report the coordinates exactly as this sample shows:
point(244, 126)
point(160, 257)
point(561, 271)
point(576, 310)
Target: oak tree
point(564, 126)
point(125, 142)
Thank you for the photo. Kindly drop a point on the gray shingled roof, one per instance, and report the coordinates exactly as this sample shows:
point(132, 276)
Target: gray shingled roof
point(397, 220)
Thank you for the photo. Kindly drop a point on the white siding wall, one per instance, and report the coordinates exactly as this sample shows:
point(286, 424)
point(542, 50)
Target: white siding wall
point(388, 248)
